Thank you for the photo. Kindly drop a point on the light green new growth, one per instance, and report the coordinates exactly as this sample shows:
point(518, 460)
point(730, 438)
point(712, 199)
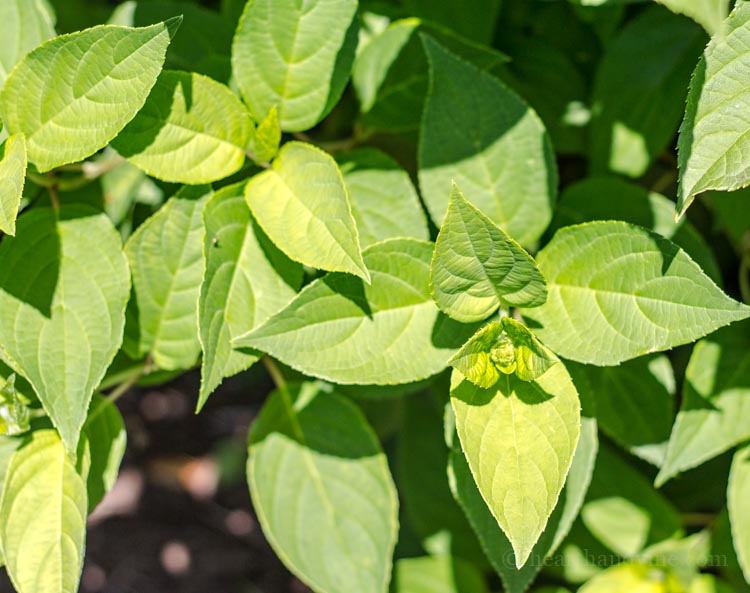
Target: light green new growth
point(618, 291)
point(519, 438)
point(477, 267)
point(294, 56)
point(322, 489)
point(303, 206)
point(494, 541)
point(503, 347)
point(73, 94)
point(166, 257)
point(64, 284)
point(345, 331)
point(12, 177)
point(489, 142)
point(24, 24)
point(264, 144)
point(43, 517)
point(191, 130)
point(247, 280)
point(715, 134)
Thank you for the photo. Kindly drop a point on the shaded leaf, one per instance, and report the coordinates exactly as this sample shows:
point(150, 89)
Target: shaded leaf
point(501, 158)
point(322, 490)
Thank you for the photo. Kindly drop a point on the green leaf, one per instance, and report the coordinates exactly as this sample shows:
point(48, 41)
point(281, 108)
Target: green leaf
point(247, 280)
point(391, 73)
point(43, 517)
point(166, 259)
point(421, 460)
point(204, 44)
point(303, 206)
point(519, 438)
point(707, 583)
point(618, 291)
point(624, 511)
point(297, 58)
point(265, 143)
point(638, 100)
point(64, 284)
point(437, 574)
point(322, 490)
point(707, 13)
point(191, 130)
point(715, 136)
point(344, 331)
point(635, 577)
point(477, 268)
point(495, 542)
point(585, 201)
point(738, 495)
point(502, 347)
point(635, 404)
point(501, 157)
point(73, 94)
point(14, 410)
point(384, 202)
point(473, 19)
point(24, 24)
point(107, 440)
point(12, 177)
point(731, 213)
point(714, 413)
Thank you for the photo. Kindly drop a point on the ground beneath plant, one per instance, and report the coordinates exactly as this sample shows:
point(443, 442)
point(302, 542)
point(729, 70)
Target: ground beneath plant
point(179, 519)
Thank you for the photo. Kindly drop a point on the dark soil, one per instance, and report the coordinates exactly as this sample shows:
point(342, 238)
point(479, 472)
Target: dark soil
point(179, 519)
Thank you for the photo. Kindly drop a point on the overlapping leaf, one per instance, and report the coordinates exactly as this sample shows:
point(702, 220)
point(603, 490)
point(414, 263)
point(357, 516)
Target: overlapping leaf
point(24, 24)
point(611, 198)
point(519, 438)
point(708, 13)
point(383, 199)
point(500, 157)
point(74, 93)
point(295, 57)
point(107, 439)
point(617, 291)
point(738, 495)
point(476, 267)
point(303, 206)
point(638, 100)
point(342, 330)
point(12, 177)
point(494, 541)
point(437, 574)
point(715, 135)
point(247, 280)
point(322, 490)
point(43, 517)
point(64, 283)
point(191, 130)
point(166, 257)
point(714, 414)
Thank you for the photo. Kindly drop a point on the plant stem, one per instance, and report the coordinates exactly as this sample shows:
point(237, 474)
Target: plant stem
point(131, 380)
point(275, 372)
